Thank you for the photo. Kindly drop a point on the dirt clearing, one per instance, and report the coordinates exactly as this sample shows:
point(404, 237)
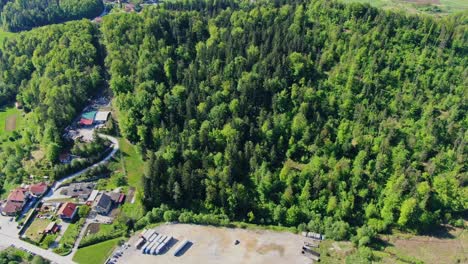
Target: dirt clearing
point(216, 245)
point(10, 123)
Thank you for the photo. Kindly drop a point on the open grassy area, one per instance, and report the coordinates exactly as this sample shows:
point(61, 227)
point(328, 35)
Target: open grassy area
point(4, 34)
point(34, 231)
point(132, 163)
point(439, 7)
point(95, 254)
point(445, 246)
point(10, 119)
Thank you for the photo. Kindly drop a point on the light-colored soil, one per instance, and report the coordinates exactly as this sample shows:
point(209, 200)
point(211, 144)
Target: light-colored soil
point(10, 123)
point(212, 245)
point(449, 248)
point(424, 2)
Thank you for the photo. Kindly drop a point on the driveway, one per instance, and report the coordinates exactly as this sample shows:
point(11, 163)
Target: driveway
point(9, 231)
point(115, 148)
point(9, 236)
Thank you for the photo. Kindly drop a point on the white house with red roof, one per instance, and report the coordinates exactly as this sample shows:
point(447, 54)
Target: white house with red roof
point(38, 189)
point(67, 211)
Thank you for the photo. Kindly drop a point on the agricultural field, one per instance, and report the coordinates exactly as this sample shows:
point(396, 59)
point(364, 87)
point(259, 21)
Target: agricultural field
point(440, 7)
point(97, 253)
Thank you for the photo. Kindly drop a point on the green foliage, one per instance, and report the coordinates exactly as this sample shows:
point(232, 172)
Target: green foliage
point(97, 253)
point(220, 101)
point(20, 15)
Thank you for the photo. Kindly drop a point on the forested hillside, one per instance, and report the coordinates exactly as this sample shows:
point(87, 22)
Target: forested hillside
point(52, 71)
point(20, 15)
point(309, 113)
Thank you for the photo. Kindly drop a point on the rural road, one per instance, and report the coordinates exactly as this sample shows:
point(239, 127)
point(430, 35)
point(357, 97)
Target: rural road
point(115, 146)
point(9, 232)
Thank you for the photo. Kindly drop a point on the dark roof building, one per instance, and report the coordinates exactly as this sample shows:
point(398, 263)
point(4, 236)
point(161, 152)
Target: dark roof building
point(103, 204)
point(80, 190)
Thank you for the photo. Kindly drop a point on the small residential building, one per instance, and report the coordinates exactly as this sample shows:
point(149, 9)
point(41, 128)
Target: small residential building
point(38, 189)
point(67, 211)
point(101, 117)
point(15, 201)
point(92, 197)
point(85, 122)
point(51, 228)
point(102, 204)
point(19, 195)
point(65, 158)
point(80, 190)
point(11, 208)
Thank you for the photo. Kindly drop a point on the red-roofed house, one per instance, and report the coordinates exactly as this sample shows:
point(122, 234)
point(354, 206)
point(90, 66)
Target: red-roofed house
point(38, 189)
point(67, 211)
point(15, 201)
point(18, 195)
point(86, 122)
point(10, 208)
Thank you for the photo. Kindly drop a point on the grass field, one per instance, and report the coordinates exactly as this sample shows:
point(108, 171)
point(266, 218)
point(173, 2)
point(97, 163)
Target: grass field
point(4, 34)
point(95, 254)
point(37, 226)
point(10, 119)
point(449, 246)
point(440, 7)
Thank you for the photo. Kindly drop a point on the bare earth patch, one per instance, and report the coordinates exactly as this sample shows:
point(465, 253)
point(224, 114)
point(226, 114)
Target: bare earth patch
point(424, 2)
point(10, 123)
point(214, 245)
point(93, 228)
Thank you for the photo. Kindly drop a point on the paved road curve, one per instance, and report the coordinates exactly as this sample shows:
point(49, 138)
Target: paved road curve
point(9, 232)
point(115, 146)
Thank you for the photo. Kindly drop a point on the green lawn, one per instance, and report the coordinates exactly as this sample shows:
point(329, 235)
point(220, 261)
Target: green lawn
point(95, 254)
point(4, 34)
point(423, 6)
point(36, 228)
point(132, 162)
point(11, 119)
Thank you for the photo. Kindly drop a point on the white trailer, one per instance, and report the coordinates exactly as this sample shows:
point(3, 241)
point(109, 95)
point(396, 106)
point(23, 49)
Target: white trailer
point(158, 237)
point(145, 246)
point(139, 243)
point(181, 246)
point(161, 239)
point(152, 237)
point(153, 251)
point(143, 233)
point(154, 245)
point(149, 234)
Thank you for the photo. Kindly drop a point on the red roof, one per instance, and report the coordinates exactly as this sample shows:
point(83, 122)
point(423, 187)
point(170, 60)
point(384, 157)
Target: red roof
point(121, 198)
point(11, 207)
point(17, 195)
point(38, 189)
point(86, 122)
point(67, 210)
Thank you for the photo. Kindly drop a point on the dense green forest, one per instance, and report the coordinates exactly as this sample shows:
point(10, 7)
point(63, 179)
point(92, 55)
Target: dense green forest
point(52, 71)
point(318, 114)
point(20, 15)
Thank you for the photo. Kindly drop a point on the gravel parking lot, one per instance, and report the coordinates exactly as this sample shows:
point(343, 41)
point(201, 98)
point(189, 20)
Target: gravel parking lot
point(216, 245)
